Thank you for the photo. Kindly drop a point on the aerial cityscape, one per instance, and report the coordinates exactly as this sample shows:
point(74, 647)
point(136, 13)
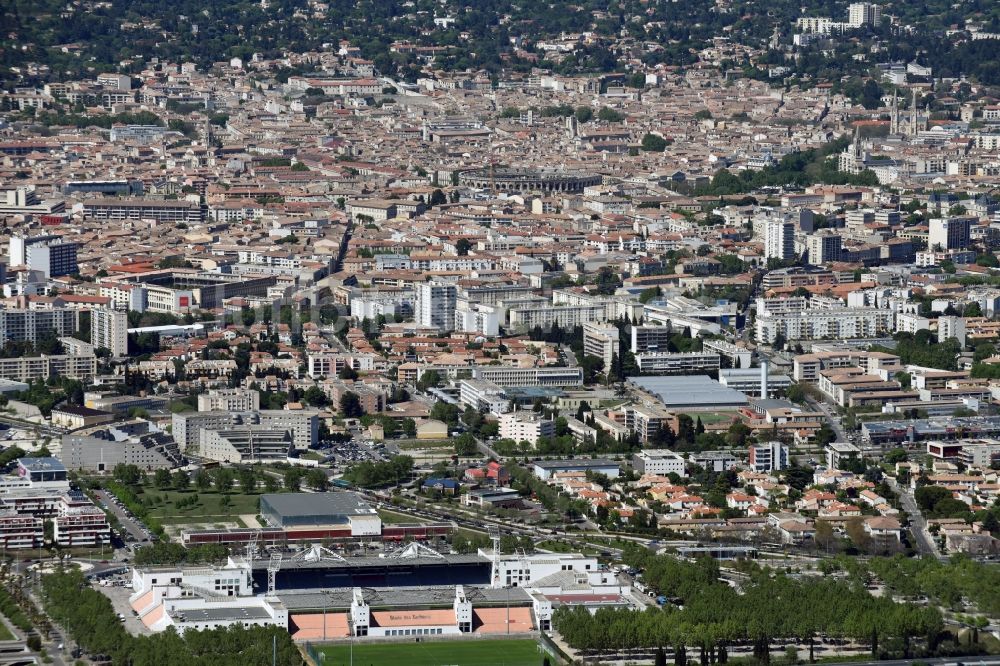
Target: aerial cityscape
point(499, 333)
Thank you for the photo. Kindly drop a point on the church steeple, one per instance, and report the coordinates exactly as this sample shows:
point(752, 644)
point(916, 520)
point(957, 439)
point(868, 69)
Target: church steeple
point(894, 119)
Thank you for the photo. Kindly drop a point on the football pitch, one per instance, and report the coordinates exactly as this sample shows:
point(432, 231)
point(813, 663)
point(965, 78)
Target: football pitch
point(436, 653)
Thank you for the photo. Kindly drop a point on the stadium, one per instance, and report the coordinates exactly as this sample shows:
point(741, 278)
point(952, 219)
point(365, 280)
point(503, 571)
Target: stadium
point(528, 180)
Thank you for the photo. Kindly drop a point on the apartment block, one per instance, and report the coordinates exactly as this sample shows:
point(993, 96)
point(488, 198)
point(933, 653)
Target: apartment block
point(435, 305)
point(120, 210)
point(29, 368)
point(109, 330)
point(779, 240)
point(601, 340)
point(23, 325)
point(949, 234)
point(817, 324)
point(650, 338)
point(188, 427)
point(506, 376)
point(654, 363)
point(52, 255)
point(768, 456)
point(525, 427)
point(229, 400)
point(566, 316)
point(659, 462)
point(331, 364)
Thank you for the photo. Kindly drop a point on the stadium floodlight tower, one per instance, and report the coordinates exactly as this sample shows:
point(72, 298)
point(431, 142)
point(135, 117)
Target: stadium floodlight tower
point(251, 550)
point(272, 572)
point(495, 573)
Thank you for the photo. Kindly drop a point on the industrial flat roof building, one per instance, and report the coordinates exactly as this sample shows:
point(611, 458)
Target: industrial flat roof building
point(689, 392)
point(314, 509)
point(545, 469)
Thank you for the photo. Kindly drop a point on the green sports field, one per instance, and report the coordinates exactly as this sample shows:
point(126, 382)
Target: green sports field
point(437, 653)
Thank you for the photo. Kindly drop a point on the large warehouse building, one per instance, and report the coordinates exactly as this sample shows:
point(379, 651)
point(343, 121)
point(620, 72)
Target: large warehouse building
point(290, 510)
point(688, 392)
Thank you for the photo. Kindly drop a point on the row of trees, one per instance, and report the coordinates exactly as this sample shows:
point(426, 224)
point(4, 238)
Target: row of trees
point(772, 607)
point(92, 622)
point(369, 474)
point(165, 552)
point(948, 583)
point(222, 479)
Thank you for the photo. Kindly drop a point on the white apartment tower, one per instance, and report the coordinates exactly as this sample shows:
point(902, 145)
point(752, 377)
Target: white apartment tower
point(109, 329)
point(435, 305)
point(863, 13)
point(823, 248)
point(949, 234)
point(779, 240)
point(49, 254)
point(601, 340)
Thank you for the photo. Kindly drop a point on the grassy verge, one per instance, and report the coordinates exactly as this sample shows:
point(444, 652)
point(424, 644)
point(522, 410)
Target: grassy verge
point(417, 445)
point(515, 652)
point(393, 518)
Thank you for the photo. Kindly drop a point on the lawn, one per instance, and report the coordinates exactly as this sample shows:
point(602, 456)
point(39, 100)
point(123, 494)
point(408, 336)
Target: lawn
point(438, 653)
point(5, 634)
point(711, 418)
point(210, 505)
point(393, 518)
point(417, 445)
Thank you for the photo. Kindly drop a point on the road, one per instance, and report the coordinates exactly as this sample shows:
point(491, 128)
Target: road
point(483, 524)
point(832, 418)
point(967, 661)
point(918, 528)
point(130, 524)
point(568, 356)
point(41, 428)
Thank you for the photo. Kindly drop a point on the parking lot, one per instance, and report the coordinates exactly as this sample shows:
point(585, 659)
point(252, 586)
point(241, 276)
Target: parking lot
point(136, 531)
point(119, 601)
point(354, 451)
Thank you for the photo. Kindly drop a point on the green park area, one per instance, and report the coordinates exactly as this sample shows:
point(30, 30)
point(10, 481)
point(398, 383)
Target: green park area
point(221, 495)
point(439, 653)
point(172, 507)
point(712, 418)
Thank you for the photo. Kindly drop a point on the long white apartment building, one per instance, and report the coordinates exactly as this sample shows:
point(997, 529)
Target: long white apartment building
point(502, 375)
point(546, 376)
point(385, 305)
point(668, 362)
point(30, 368)
point(189, 427)
point(24, 325)
point(817, 324)
point(566, 316)
point(806, 367)
point(614, 307)
point(493, 294)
